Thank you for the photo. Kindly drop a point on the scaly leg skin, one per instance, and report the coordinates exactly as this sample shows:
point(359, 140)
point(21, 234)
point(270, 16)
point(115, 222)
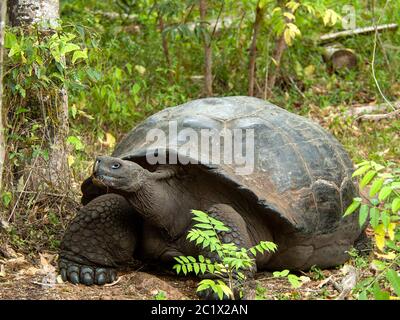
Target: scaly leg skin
point(237, 234)
point(99, 239)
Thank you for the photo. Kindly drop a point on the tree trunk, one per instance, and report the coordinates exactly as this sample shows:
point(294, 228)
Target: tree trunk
point(207, 51)
point(3, 9)
point(338, 57)
point(27, 12)
point(280, 46)
point(54, 172)
point(164, 42)
point(253, 48)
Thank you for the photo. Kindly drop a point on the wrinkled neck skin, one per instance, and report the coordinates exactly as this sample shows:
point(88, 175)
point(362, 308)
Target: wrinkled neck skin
point(160, 200)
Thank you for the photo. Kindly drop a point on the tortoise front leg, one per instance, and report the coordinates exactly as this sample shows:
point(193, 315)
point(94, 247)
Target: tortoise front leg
point(100, 238)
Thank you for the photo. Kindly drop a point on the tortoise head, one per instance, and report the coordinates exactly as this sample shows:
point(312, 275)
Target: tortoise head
point(118, 174)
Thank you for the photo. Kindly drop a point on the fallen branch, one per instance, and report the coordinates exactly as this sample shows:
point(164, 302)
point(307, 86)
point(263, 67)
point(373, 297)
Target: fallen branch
point(364, 112)
point(348, 282)
point(113, 283)
point(367, 109)
point(115, 15)
point(365, 30)
point(380, 116)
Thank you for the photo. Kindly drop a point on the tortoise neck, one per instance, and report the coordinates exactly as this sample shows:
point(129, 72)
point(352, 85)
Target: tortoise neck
point(159, 202)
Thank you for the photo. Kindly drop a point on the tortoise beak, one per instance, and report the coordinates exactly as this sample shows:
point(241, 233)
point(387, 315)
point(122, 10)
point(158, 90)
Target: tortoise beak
point(96, 165)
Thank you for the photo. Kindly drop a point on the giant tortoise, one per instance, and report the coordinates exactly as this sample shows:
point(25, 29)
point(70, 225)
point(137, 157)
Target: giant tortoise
point(138, 201)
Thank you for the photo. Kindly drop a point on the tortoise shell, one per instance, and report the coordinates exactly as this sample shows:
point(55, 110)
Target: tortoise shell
point(301, 172)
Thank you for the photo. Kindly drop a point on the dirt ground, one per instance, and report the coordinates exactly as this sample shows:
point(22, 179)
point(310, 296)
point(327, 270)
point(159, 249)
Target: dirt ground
point(37, 279)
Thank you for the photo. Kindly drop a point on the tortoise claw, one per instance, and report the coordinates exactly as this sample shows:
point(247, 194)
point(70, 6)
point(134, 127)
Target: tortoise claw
point(87, 275)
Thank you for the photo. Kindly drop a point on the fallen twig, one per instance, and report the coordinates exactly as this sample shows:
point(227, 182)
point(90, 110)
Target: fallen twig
point(346, 33)
point(379, 116)
point(367, 109)
point(44, 284)
point(113, 283)
point(348, 282)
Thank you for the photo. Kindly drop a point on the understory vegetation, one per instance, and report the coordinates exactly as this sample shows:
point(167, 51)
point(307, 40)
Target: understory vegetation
point(121, 61)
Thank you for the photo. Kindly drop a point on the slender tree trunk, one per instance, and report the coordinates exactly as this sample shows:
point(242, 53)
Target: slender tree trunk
point(164, 42)
point(55, 171)
point(253, 48)
point(3, 9)
point(280, 46)
point(207, 51)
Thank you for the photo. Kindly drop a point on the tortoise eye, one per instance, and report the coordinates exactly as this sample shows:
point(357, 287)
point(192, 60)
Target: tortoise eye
point(115, 165)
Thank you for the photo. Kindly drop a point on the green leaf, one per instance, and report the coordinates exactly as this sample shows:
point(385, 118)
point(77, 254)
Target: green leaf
point(384, 193)
point(206, 243)
point(69, 47)
point(201, 258)
point(218, 289)
point(376, 186)
point(76, 142)
point(203, 268)
point(179, 260)
point(282, 273)
point(135, 89)
point(379, 265)
point(79, 54)
point(193, 236)
point(396, 205)
point(178, 268)
point(200, 214)
point(203, 226)
point(394, 279)
point(221, 228)
point(228, 292)
point(202, 286)
point(379, 294)
point(374, 214)
point(364, 210)
point(268, 245)
point(353, 207)
point(374, 202)
point(208, 233)
point(184, 259)
point(184, 269)
point(9, 40)
point(93, 74)
point(360, 171)
point(294, 281)
point(385, 218)
point(378, 167)
point(6, 198)
point(362, 163)
point(14, 50)
point(199, 240)
point(191, 259)
point(215, 222)
point(367, 178)
point(363, 296)
point(196, 268)
point(212, 247)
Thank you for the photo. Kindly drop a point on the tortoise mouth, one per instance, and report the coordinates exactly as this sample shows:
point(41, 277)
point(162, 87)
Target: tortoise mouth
point(103, 180)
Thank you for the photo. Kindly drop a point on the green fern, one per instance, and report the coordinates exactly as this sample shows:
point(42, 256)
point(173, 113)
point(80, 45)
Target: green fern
point(232, 263)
